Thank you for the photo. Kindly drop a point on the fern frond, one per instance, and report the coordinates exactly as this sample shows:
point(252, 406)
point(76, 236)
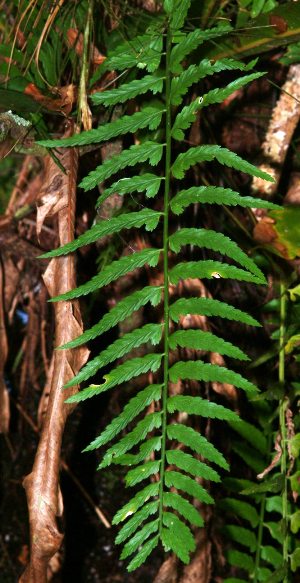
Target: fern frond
point(143, 553)
point(187, 463)
point(192, 41)
point(177, 536)
point(192, 439)
point(210, 269)
point(215, 241)
point(149, 117)
point(136, 502)
point(201, 371)
point(141, 473)
point(135, 521)
point(147, 182)
point(139, 433)
point(199, 406)
point(242, 535)
point(136, 154)
point(215, 195)
point(252, 435)
point(200, 340)
point(144, 52)
point(132, 220)
point(146, 449)
point(123, 373)
point(187, 485)
point(123, 93)
point(242, 509)
point(123, 309)
point(209, 307)
point(149, 333)
point(183, 507)
point(141, 536)
point(242, 560)
point(198, 154)
point(112, 272)
point(186, 116)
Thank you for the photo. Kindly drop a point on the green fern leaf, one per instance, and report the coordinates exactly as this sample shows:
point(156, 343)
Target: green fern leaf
point(215, 241)
point(199, 406)
point(208, 153)
point(210, 269)
point(121, 374)
point(209, 307)
point(136, 502)
point(249, 456)
point(201, 371)
point(112, 272)
point(148, 333)
point(242, 509)
point(251, 434)
point(146, 449)
point(192, 41)
point(143, 553)
point(194, 73)
point(200, 340)
point(144, 52)
point(242, 560)
point(145, 182)
point(192, 439)
point(135, 521)
point(149, 117)
point(241, 535)
point(136, 154)
point(271, 555)
point(187, 485)
point(139, 433)
point(235, 580)
point(153, 83)
point(178, 13)
point(177, 536)
point(187, 115)
point(145, 217)
point(143, 472)
point(183, 507)
point(118, 313)
point(187, 463)
point(141, 536)
point(215, 195)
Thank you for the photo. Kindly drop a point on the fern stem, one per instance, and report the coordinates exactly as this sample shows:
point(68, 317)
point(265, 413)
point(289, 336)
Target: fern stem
point(166, 276)
point(282, 423)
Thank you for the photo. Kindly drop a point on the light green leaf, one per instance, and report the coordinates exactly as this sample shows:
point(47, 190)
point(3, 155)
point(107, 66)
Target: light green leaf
point(191, 438)
point(117, 314)
point(199, 406)
point(295, 520)
point(215, 195)
point(179, 13)
point(271, 555)
point(145, 450)
point(139, 433)
point(295, 560)
point(251, 434)
point(136, 520)
point(183, 507)
point(215, 241)
point(140, 536)
point(177, 536)
point(200, 340)
point(242, 509)
point(192, 41)
point(186, 462)
point(207, 153)
point(187, 485)
point(143, 51)
point(112, 272)
point(121, 374)
point(143, 553)
point(241, 535)
point(209, 307)
point(149, 333)
point(140, 473)
point(149, 117)
point(136, 154)
point(145, 182)
point(126, 91)
point(194, 73)
point(241, 560)
point(136, 502)
point(106, 227)
point(201, 371)
point(210, 269)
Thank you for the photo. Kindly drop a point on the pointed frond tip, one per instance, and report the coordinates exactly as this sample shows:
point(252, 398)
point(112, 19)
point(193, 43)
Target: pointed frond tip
point(201, 371)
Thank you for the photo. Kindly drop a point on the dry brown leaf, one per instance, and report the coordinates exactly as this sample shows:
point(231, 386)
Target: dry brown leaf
point(42, 485)
point(276, 459)
point(4, 397)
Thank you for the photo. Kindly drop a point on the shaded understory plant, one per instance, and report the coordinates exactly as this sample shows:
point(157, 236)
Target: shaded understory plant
point(157, 416)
